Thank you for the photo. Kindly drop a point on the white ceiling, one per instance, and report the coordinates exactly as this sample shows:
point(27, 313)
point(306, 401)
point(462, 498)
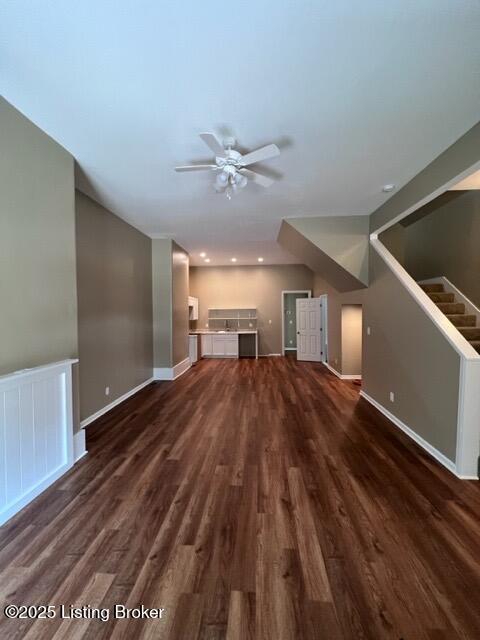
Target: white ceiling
point(356, 94)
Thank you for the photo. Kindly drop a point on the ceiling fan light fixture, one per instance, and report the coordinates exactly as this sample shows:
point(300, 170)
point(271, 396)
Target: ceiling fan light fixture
point(241, 181)
point(221, 180)
point(231, 166)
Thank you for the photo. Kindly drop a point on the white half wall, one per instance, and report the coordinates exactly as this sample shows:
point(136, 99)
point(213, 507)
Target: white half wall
point(36, 433)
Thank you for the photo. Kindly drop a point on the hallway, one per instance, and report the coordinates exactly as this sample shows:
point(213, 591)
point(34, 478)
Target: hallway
point(250, 499)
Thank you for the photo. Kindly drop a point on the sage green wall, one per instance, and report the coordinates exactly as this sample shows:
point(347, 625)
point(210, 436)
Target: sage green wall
point(114, 279)
point(290, 318)
point(446, 243)
point(170, 272)
point(250, 286)
point(38, 319)
point(335, 301)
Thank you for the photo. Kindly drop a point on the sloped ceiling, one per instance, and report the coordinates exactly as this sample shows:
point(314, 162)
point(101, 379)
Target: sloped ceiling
point(336, 247)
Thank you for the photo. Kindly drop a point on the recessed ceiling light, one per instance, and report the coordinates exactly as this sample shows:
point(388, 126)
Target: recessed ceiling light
point(260, 259)
point(203, 254)
point(388, 187)
point(233, 259)
point(207, 259)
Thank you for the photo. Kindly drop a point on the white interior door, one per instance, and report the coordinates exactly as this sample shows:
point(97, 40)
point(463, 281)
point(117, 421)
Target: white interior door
point(309, 343)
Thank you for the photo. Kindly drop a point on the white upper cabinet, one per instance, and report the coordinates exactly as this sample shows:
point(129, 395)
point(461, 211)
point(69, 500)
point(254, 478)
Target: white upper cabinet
point(192, 308)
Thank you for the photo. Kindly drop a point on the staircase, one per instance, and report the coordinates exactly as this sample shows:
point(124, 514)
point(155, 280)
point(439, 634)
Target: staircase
point(455, 312)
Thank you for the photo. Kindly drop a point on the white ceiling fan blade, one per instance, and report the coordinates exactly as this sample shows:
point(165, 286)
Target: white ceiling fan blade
point(213, 144)
point(257, 177)
point(264, 153)
point(196, 167)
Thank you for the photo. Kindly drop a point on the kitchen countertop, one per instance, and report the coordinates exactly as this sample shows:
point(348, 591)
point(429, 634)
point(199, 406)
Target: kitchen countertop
point(223, 333)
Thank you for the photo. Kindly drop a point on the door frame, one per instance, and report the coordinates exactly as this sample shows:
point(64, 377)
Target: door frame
point(309, 295)
point(324, 326)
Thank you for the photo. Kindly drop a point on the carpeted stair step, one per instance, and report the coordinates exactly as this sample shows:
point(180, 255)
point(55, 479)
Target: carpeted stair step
point(470, 333)
point(451, 308)
point(475, 344)
point(432, 288)
point(442, 297)
point(462, 320)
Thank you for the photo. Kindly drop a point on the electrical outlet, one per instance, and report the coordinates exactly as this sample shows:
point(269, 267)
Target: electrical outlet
point(269, 322)
point(368, 331)
point(392, 396)
point(107, 391)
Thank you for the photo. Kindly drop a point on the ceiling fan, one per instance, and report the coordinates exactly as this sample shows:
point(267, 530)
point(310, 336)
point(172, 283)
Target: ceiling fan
point(230, 165)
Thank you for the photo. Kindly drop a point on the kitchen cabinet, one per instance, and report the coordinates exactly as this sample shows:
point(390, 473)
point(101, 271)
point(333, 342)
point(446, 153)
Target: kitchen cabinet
point(231, 346)
point(220, 345)
point(192, 308)
point(207, 348)
point(193, 348)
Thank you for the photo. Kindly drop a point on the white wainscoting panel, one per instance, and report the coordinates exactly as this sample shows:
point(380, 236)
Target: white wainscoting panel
point(36, 432)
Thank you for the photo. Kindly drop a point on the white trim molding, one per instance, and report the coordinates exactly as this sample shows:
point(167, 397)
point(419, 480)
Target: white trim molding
point(79, 447)
point(341, 375)
point(172, 373)
point(307, 291)
point(468, 419)
point(440, 457)
point(114, 403)
point(36, 432)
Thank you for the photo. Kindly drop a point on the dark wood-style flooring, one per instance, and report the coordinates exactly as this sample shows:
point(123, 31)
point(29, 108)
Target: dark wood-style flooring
point(250, 499)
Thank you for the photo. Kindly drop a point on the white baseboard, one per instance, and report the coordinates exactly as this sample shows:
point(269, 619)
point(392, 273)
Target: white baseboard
point(435, 453)
point(35, 491)
point(119, 400)
point(341, 375)
point(269, 355)
point(79, 448)
point(172, 373)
